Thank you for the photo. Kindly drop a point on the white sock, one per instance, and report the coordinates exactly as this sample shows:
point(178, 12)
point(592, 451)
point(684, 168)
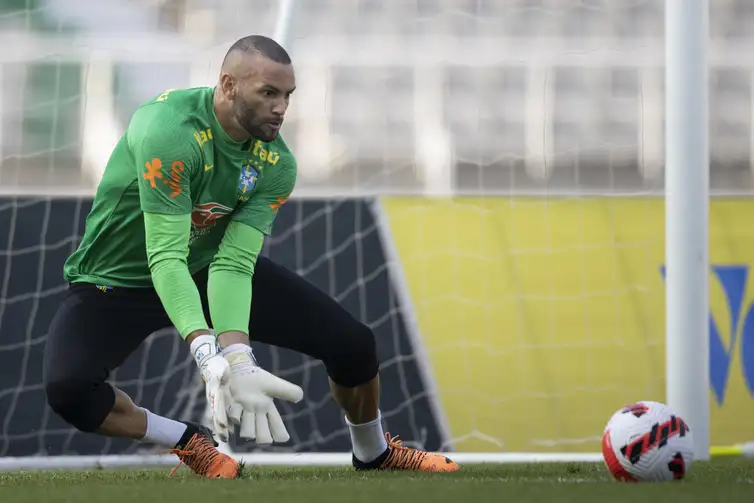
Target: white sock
point(162, 431)
point(367, 439)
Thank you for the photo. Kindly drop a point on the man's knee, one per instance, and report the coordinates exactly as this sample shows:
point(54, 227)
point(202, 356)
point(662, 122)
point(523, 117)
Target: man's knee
point(352, 360)
point(82, 403)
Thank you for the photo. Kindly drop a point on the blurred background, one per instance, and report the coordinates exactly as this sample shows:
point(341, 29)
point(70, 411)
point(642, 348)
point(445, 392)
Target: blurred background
point(394, 95)
point(516, 315)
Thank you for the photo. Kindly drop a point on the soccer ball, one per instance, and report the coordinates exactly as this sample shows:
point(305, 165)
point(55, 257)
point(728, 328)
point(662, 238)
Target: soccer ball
point(647, 442)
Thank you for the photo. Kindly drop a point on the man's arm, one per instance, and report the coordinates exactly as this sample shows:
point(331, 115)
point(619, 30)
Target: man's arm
point(166, 158)
point(167, 248)
point(230, 274)
point(229, 284)
point(229, 291)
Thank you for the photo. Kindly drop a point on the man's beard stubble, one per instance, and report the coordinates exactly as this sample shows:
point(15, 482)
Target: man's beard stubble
point(248, 120)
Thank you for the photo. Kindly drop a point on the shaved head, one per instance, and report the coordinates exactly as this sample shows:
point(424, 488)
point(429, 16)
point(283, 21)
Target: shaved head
point(256, 82)
point(258, 44)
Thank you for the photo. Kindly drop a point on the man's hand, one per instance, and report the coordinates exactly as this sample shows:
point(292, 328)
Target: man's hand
point(216, 376)
point(253, 390)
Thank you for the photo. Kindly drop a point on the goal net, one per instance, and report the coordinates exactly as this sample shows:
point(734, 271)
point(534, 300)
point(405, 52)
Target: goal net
point(480, 182)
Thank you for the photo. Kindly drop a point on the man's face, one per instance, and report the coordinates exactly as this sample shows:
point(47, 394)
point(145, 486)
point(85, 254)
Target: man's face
point(262, 96)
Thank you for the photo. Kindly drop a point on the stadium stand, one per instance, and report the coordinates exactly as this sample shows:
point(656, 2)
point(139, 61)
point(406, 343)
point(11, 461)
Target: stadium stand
point(556, 94)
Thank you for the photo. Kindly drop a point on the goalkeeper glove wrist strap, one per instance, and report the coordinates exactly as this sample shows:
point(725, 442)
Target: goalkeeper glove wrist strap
point(240, 357)
point(203, 347)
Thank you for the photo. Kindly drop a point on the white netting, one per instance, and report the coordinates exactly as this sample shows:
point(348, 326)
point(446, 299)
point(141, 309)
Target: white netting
point(345, 259)
point(551, 99)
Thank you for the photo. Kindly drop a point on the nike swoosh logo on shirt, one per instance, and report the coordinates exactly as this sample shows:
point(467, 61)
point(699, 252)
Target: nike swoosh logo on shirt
point(208, 167)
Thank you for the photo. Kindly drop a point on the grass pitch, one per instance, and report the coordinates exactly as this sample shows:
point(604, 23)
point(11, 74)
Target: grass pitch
point(725, 481)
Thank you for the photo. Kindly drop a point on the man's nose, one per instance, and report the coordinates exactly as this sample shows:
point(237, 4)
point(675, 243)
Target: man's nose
point(279, 108)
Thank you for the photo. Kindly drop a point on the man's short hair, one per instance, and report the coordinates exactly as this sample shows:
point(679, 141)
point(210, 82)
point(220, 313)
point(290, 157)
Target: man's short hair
point(262, 45)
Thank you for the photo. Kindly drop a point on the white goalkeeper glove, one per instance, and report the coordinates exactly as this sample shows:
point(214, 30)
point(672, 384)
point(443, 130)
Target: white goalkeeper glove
point(252, 389)
point(215, 372)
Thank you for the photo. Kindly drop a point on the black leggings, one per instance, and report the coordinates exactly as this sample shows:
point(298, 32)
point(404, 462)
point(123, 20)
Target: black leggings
point(94, 331)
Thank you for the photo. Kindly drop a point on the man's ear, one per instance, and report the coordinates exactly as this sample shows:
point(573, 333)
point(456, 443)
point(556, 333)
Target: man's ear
point(228, 85)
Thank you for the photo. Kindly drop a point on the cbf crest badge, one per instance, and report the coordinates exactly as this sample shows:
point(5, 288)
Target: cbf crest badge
point(247, 182)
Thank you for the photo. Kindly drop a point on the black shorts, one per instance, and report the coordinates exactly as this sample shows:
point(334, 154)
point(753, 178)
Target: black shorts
point(94, 331)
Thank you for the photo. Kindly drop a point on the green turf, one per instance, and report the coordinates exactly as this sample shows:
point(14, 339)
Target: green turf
point(727, 481)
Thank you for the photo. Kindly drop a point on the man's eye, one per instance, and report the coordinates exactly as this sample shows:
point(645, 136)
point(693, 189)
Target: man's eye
point(269, 93)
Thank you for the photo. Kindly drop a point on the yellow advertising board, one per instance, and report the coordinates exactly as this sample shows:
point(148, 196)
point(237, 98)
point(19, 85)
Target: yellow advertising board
point(543, 316)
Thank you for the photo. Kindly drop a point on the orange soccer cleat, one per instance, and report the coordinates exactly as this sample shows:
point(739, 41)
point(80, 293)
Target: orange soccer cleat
point(200, 454)
point(398, 457)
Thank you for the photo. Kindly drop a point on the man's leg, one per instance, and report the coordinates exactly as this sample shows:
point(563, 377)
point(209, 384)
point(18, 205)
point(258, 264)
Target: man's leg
point(92, 333)
point(289, 312)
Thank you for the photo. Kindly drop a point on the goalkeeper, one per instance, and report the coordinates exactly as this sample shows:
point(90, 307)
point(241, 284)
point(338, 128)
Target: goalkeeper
point(174, 239)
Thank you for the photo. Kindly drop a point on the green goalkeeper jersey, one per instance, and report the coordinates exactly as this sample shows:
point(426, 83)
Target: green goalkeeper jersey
point(176, 159)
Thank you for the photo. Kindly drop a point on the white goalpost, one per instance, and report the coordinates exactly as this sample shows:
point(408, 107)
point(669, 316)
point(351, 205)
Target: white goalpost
point(687, 215)
point(559, 317)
